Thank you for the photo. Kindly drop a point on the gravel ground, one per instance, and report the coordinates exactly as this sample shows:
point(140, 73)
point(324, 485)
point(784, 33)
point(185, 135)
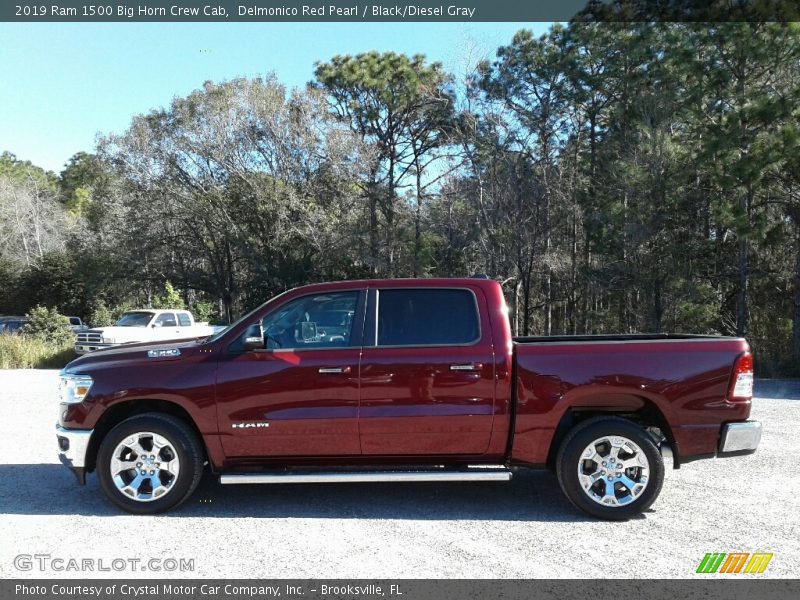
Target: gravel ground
point(524, 529)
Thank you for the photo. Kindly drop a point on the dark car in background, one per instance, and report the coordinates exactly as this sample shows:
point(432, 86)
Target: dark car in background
point(12, 325)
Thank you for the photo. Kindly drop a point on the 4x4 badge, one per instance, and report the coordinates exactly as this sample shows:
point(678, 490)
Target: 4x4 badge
point(163, 353)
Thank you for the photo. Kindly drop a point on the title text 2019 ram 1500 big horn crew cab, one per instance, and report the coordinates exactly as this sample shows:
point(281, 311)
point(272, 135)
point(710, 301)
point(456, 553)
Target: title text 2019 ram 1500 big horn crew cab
point(402, 380)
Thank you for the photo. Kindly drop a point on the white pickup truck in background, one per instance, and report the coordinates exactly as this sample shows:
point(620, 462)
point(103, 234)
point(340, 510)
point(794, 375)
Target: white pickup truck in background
point(146, 325)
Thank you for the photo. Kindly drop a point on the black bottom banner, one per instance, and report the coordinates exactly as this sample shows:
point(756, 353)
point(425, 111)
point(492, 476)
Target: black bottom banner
point(400, 589)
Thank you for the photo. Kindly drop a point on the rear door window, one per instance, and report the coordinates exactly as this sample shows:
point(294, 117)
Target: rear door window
point(184, 320)
point(427, 317)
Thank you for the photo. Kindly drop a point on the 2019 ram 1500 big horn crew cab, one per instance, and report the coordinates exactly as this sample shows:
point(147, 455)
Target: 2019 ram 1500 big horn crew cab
point(402, 380)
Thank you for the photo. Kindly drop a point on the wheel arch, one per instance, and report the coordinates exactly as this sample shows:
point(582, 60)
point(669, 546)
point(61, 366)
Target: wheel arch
point(116, 413)
point(641, 411)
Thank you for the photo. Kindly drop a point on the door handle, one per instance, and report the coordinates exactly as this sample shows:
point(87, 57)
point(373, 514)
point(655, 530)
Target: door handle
point(467, 367)
point(334, 370)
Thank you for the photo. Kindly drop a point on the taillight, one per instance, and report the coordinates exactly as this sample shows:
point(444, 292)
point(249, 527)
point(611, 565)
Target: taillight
point(742, 378)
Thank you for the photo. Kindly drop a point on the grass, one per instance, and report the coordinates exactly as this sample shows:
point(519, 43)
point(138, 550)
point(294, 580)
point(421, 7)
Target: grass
point(21, 352)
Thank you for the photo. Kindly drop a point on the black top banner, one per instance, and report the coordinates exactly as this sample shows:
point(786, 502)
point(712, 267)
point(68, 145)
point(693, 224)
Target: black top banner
point(398, 11)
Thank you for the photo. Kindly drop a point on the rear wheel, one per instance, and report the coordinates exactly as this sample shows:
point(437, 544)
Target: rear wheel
point(610, 468)
point(149, 463)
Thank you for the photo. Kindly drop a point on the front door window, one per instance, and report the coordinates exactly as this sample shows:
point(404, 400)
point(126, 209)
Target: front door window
point(317, 321)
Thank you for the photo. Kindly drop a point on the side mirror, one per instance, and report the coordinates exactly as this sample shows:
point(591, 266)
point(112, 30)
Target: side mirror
point(253, 339)
point(157, 324)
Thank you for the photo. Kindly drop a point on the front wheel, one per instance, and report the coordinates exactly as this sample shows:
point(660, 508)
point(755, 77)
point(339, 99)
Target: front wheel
point(610, 468)
point(149, 463)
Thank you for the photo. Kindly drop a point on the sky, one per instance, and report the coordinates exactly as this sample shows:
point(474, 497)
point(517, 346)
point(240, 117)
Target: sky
point(62, 84)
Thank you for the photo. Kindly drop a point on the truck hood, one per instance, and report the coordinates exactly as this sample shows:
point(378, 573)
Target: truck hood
point(135, 353)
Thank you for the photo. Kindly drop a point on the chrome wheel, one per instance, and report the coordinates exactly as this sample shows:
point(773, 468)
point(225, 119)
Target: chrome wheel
point(144, 466)
point(613, 470)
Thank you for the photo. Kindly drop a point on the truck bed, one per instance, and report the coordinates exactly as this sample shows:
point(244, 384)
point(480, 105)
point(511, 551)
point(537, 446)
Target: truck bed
point(682, 379)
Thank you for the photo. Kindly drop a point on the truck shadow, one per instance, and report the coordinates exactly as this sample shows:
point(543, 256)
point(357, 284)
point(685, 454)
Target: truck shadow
point(49, 489)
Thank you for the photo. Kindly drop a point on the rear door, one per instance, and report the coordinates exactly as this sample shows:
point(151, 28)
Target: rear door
point(427, 373)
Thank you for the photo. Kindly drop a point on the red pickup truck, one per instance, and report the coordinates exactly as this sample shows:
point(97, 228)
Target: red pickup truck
point(402, 380)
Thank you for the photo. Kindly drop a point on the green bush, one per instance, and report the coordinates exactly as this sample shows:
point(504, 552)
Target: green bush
point(101, 315)
point(47, 325)
point(170, 299)
point(21, 352)
point(119, 310)
point(203, 311)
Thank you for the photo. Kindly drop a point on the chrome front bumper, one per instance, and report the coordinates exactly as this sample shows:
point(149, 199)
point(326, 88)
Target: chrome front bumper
point(742, 438)
point(72, 447)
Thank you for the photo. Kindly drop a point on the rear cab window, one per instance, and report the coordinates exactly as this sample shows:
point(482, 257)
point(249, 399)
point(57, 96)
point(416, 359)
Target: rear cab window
point(184, 320)
point(166, 320)
point(427, 317)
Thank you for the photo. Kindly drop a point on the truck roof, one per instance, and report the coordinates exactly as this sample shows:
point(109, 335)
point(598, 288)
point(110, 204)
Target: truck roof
point(403, 282)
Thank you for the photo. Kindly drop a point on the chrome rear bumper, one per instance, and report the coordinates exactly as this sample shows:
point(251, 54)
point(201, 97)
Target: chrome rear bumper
point(742, 438)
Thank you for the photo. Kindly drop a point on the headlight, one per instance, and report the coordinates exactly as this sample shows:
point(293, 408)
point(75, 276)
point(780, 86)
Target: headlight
point(109, 340)
point(74, 388)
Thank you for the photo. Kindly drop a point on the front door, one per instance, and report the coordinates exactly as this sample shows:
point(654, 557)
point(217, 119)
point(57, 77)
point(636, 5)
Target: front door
point(427, 374)
point(299, 396)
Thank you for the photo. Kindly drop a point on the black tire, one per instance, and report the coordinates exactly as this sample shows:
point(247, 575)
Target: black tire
point(570, 458)
point(187, 447)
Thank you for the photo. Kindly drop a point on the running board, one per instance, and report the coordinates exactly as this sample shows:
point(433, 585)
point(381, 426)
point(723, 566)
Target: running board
point(495, 473)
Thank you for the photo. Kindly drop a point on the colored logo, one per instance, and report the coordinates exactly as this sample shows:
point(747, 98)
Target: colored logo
point(734, 562)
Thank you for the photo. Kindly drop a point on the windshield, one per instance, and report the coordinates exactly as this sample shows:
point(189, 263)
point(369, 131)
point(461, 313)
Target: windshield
point(135, 319)
point(248, 316)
